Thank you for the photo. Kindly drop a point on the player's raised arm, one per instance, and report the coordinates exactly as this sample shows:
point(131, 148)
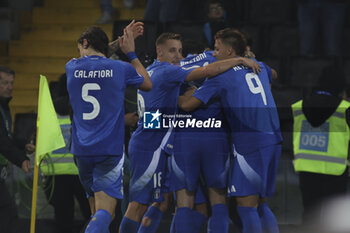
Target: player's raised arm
point(219, 67)
point(136, 28)
point(127, 45)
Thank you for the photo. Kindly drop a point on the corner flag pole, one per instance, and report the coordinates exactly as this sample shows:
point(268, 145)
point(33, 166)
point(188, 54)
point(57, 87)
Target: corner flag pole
point(35, 189)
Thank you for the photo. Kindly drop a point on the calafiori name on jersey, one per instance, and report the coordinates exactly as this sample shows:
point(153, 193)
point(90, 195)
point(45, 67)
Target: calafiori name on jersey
point(93, 74)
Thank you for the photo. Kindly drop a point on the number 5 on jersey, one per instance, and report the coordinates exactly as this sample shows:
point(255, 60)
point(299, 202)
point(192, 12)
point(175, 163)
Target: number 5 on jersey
point(90, 99)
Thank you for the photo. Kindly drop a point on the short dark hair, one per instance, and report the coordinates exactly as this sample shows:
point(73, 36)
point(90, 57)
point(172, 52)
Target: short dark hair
point(6, 70)
point(96, 38)
point(233, 38)
point(167, 36)
point(246, 37)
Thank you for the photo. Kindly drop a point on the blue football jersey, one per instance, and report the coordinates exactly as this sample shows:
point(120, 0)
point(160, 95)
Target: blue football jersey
point(248, 106)
point(210, 110)
point(166, 79)
point(199, 60)
point(194, 61)
point(96, 90)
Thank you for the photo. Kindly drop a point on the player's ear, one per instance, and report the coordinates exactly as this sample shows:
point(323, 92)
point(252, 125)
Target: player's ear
point(159, 51)
point(85, 44)
point(229, 51)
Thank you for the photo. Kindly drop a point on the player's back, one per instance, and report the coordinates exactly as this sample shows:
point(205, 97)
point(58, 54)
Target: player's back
point(164, 91)
point(211, 110)
point(249, 108)
point(96, 88)
point(166, 80)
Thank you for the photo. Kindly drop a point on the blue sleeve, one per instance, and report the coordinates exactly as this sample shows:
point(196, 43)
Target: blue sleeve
point(211, 88)
point(269, 72)
point(132, 78)
point(175, 74)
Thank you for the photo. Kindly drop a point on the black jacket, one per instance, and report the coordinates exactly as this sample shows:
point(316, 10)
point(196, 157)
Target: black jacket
point(7, 145)
point(317, 108)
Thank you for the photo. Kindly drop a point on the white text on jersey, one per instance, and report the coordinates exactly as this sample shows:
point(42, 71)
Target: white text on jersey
point(195, 59)
point(240, 68)
point(93, 74)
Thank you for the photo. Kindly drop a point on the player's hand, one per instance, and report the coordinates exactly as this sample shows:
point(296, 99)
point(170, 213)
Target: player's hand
point(131, 119)
point(249, 54)
point(26, 166)
point(189, 91)
point(30, 148)
point(274, 74)
point(136, 28)
point(252, 64)
point(126, 42)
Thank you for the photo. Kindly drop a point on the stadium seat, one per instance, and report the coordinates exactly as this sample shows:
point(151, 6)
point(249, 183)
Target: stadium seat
point(283, 41)
point(188, 30)
point(192, 10)
point(270, 11)
point(9, 24)
point(305, 72)
point(22, 5)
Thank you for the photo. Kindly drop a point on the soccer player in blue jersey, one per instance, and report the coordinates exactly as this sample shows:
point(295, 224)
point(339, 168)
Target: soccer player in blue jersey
point(147, 147)
point(201, 152)
point(254, 131)
point(96, 87)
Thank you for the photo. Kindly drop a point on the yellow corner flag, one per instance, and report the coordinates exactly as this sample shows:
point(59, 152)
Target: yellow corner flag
point(48, 138)
point(49, 135)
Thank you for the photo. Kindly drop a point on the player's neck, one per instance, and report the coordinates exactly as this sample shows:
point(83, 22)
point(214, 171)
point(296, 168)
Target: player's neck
point(161, 59)
point(92, 52)
point(165, 60)
point(227, 57)
point(232, 55)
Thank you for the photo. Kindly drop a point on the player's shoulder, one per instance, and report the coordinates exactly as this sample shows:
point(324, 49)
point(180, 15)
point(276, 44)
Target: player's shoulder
point(118, 62)
point(157, 65)
point(71, 62)
point(206, 56)
point(165, 68)
point(264, 68)
point(87, 60)
point(241, 69)
point(263, 65)
point(210, 54)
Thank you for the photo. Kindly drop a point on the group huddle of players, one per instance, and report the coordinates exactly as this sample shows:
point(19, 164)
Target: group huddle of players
point(196, 165)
